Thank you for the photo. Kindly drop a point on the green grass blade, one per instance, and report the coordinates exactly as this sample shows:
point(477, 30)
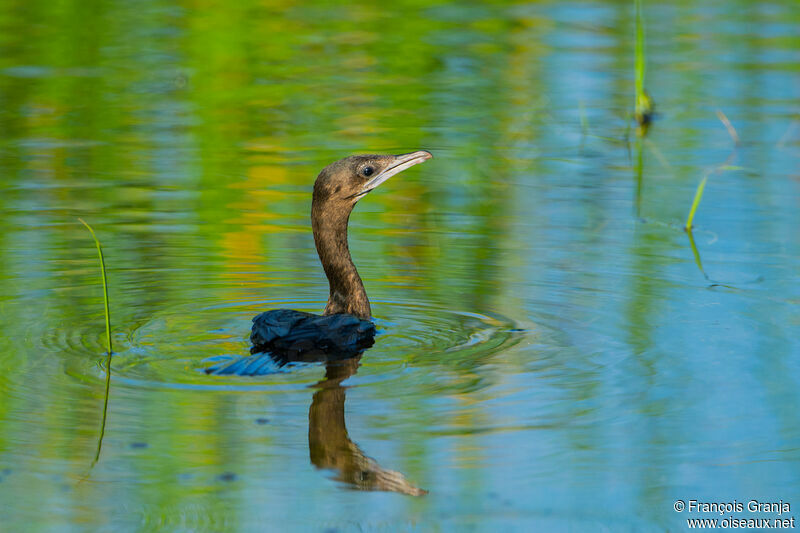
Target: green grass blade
point(639, 52)
point(643, 104)
point(698, 195)
point(105, 282)
point(108, 338)
point(696, 253)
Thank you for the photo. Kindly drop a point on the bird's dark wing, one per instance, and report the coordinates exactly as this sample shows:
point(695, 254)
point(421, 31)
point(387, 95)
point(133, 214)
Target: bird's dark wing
point(274, 324)
point(297, 332)
point(282, 336)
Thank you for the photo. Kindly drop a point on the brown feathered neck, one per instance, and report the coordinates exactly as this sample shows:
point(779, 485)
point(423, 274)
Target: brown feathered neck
point(329, 223)
point(337, 189)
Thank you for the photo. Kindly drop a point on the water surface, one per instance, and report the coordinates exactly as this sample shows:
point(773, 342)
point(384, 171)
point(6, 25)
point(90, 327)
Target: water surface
point(553, 355)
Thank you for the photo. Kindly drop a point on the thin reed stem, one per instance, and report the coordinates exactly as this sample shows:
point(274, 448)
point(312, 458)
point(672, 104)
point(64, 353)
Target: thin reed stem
point(108, 339)
point(698, 195)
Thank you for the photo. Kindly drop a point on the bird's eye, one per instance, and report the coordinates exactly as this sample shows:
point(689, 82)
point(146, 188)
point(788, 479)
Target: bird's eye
point(367, 171)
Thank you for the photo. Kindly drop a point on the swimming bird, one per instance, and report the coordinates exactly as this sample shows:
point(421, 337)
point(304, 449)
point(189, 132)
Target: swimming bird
point(345, 327)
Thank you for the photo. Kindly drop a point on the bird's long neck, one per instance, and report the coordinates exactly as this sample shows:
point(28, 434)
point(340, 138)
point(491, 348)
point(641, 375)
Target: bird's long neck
point(347, 294)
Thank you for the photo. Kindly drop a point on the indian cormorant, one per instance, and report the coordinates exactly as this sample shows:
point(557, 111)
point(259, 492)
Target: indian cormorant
point(345, 328)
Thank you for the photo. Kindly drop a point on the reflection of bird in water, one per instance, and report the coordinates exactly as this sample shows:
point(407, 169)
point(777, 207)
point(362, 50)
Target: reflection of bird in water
point(331, 448)
point(345, 327)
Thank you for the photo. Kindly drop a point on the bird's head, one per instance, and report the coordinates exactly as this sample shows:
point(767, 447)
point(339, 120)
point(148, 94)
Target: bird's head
point(341, 184)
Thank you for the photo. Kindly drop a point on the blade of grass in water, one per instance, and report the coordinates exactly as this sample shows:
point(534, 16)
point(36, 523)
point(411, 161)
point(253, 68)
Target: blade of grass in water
point(105, 283)
point(698, 195)
point(643, 105)
point(696, 253)
point(728, 126)
point(108, 339)
point(639, 52)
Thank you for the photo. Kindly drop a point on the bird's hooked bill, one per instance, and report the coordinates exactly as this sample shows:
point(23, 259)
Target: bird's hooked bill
point(400, 163)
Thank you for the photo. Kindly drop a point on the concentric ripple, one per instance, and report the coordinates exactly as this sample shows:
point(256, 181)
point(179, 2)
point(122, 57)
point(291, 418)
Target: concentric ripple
point(175, 346)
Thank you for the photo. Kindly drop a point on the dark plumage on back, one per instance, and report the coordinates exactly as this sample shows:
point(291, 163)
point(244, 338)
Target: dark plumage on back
point(295, 332)
point(344, 329)
point(284, 336)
